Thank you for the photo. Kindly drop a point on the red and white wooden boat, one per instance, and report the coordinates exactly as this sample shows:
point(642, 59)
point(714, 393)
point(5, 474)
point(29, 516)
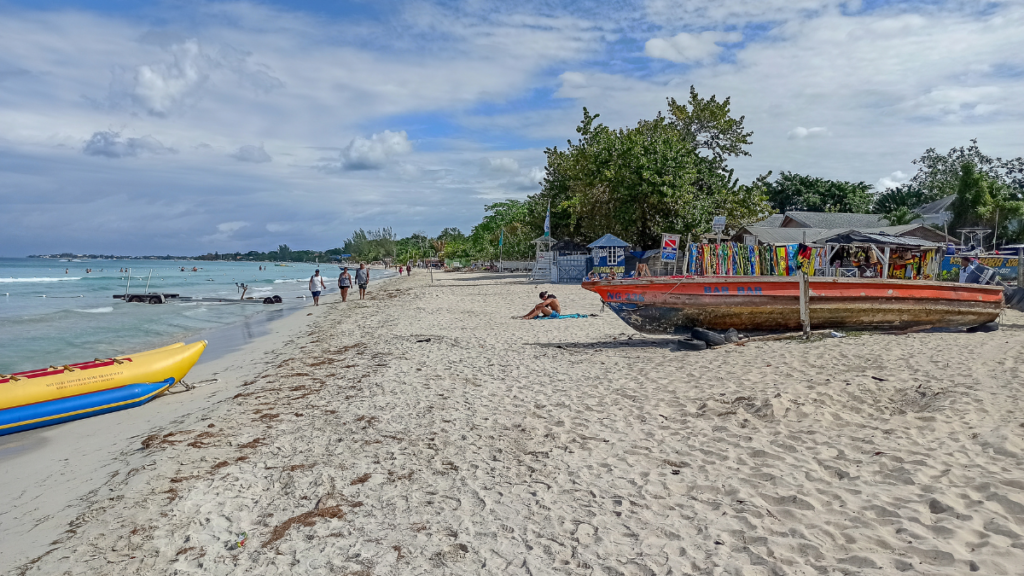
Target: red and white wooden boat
point(772, 303)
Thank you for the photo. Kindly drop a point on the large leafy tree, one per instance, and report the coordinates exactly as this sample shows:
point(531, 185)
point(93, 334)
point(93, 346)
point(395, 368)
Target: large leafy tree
point(666, 174)
point(982, 201)
point(508, 222)
point(939, 175)
point(799, 192)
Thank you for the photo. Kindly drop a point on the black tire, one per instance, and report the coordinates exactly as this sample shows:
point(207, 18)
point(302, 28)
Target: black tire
point(154, 300)
point(986, 327)
point(268, 300)
point(1015, 297)
point(732, 336)
point(712, 338)
point(135, 299)
point(691, 344)
point(277, 299)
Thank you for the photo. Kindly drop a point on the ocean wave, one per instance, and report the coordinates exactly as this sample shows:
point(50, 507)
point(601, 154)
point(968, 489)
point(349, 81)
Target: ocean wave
point(291, 280)
point(97, 310)
point(10, 280)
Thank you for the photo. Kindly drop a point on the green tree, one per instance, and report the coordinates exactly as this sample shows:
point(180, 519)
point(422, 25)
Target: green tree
point(939, 176)
point(798, 192)
point(284, 252)
point(982, 201)
point(663, 175)
point(509, 219)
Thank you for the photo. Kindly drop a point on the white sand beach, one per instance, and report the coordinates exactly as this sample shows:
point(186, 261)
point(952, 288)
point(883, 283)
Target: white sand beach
point(424, 431)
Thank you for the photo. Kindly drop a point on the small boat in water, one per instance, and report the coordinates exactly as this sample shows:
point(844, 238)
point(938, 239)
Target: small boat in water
point(662, 305)
point(56, 394)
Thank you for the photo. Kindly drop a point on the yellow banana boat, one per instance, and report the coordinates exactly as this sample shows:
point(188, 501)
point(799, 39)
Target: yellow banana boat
point(57, 394)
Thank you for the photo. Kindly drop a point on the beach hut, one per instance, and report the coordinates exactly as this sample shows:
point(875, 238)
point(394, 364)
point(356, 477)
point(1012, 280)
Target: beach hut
point(608, 254)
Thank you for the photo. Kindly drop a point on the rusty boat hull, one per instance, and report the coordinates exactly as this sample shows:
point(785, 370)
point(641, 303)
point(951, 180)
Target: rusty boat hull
point(772, 304)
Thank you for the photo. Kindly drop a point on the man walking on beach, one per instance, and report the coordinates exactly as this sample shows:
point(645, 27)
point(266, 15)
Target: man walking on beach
point(408, 268)
point(316, 285)
point(362, 279)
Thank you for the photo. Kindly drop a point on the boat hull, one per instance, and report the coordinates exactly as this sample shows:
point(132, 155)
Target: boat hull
point(77, 407)
point(770, 304)
point(56, 382)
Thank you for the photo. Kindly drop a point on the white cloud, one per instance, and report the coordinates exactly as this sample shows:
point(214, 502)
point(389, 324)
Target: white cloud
point(957, 102)
point(160, 87)
point(528, 180)
point(230, 227)
point(111, 144)
point(799, 133)
point(275, 227)
point(496, 80)
point(687, 47)
point(500, 165)
point(376, 151)
point(250, 153)
point(892, 180)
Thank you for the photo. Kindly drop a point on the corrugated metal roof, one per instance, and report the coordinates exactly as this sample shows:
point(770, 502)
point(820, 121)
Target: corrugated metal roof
point(937, 207)
point(773, 221)
point(608, 241)
point(878, 238)
point(830, 220)
point(776, 236)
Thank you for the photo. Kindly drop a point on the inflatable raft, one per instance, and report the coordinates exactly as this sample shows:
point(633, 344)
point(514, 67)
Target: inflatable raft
point(56, 394)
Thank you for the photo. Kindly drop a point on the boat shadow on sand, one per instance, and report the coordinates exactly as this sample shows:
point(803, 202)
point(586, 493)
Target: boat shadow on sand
point(666, 343)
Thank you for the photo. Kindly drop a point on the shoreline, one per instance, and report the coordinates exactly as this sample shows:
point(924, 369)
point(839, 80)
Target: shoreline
point(425, 431)
point(50, 473)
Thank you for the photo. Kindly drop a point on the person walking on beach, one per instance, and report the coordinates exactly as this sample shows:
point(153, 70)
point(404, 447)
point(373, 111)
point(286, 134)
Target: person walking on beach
point(362, 279)
point(316, 285)
point(344, 283)
point(408, 268)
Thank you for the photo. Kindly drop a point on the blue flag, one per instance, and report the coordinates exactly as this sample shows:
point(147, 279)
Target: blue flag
point(547, 221)
point(501, 239)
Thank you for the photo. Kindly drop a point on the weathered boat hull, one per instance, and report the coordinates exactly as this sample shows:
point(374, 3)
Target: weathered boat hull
point(770, 304)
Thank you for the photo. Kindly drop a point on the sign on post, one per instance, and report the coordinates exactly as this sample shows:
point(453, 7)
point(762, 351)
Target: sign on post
point(718, 224)
point(669, 247)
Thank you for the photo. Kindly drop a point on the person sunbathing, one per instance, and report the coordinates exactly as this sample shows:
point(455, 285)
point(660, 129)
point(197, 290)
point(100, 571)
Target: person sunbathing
point(548, 306)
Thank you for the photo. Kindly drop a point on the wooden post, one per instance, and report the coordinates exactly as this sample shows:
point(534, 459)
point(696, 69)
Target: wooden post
point(1020, 269)
point(805, 304)
point(686, 255)
point(885, 265)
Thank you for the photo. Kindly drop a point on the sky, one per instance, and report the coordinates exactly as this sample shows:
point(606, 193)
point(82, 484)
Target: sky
point(187, 127)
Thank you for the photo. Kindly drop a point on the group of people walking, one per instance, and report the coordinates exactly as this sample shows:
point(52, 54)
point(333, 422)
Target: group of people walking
point(345, 280)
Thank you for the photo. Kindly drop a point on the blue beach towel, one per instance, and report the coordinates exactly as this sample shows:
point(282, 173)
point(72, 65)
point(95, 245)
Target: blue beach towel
point(560, 316)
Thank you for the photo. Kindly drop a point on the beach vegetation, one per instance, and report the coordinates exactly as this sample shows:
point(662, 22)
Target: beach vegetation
point(666, 174)
point(983, 201)
point(803, 193)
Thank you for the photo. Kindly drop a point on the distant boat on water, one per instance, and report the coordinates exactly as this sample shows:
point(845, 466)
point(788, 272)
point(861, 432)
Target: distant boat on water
point(662, 305)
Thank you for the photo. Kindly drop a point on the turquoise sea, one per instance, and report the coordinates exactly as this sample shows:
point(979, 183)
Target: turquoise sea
point(54, 312)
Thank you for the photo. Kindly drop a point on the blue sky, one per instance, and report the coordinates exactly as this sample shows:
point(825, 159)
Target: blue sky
point(195, 126)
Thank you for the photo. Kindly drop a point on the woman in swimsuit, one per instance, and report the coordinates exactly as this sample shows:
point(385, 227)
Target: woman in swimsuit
point(344, 283)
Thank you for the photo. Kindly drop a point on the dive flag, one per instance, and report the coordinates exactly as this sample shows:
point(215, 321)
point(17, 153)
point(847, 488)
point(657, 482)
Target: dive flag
point(669, 247)
point(547, 222)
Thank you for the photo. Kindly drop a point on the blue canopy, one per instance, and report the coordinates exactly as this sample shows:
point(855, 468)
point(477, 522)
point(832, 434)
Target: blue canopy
point(608, 241)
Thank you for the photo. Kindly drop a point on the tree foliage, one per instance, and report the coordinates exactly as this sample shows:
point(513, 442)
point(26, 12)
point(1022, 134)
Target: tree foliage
point(799, 192)
point(666, 174)
point(983, 201)
point(508, 222)
point(939, 176)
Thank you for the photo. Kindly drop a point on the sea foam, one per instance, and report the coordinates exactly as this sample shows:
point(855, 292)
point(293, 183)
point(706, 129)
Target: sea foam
point(9, 280)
